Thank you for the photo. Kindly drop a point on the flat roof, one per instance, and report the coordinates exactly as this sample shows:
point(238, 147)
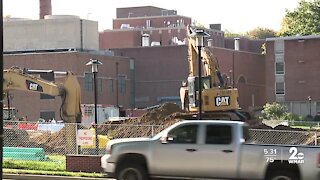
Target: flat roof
point(294, 38)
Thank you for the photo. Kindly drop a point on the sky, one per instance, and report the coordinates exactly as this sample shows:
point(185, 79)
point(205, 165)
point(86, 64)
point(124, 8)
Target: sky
point(237, 16)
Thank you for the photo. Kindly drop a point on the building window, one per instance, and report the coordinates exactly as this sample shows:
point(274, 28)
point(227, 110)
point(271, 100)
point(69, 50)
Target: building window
point(111, 85)
point(122, 83)
point(279, 68)
point(280, 88)
point(241, 80)
point(88, 81)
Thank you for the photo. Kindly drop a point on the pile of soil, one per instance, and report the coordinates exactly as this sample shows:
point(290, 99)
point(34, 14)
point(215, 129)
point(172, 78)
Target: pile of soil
point(278, 127)
point(51, 142)
point(160, 118)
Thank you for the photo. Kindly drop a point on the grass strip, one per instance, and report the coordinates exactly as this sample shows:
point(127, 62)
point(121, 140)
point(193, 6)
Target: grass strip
point(53, 173)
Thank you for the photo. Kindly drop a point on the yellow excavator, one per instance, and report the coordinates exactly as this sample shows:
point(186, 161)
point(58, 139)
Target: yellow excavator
point(16, 78)
point(219, 101)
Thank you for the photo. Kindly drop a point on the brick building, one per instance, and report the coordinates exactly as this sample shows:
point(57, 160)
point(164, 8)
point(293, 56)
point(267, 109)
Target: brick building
point(163, 27)
point(151, 70)
point(161, 70)
point(34, 107)
point(292, 68)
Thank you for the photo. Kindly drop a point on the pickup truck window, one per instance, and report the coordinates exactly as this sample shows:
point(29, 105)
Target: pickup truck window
point(184, 134)
point(218, 134)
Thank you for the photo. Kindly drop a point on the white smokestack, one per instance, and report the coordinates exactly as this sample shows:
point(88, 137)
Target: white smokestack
point(237, 44)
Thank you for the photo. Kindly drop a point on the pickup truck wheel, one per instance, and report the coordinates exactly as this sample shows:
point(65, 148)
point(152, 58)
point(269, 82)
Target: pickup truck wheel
point(282, 175)
point(132, 172)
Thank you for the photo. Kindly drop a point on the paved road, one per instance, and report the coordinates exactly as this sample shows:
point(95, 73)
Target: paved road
point(41, 177)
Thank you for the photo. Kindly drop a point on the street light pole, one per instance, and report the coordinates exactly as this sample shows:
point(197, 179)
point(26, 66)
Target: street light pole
point(1, 88)
point(200, 82)
point(117, 85)
point(199, 35)
point(309, 99)
point(94, 67)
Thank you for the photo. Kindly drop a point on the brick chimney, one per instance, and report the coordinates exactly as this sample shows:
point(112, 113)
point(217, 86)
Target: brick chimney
point(45, 8)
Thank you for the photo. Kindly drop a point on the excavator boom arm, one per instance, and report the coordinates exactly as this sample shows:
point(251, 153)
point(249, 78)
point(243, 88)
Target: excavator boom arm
point(69, 91)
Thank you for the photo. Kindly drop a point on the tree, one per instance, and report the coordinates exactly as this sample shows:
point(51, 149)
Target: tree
point(273, 111)
point(304, 20)
point(261, 33)
point(197, 24)
point(228, 33)
point(277, 111)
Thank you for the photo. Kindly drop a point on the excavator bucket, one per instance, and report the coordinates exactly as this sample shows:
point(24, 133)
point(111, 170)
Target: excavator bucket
point(71, 99)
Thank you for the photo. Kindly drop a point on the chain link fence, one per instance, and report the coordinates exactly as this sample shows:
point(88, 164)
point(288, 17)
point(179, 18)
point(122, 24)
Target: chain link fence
point(266, 136)
point(38, 141)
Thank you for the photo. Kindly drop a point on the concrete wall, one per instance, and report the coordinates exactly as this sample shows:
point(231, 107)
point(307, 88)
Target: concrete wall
point(30, 104)
point(62, 32)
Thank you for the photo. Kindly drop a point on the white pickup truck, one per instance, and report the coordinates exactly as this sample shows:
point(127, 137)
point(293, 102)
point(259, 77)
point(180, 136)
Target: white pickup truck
point(208, 149)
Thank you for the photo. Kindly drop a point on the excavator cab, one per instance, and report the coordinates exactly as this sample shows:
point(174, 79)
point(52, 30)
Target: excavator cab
point(193, 89)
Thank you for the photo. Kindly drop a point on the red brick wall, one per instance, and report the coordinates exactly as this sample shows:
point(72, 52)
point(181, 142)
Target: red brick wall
point(119, 39)
point(139, 11)
point(251, 66)
point(84, 163)
point(30, 105)
point(270, 72)
point(248, 45)
point(302, 70)
point(162, 69)
point(156, 21)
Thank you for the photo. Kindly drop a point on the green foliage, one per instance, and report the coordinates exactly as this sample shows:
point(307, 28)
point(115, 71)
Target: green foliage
point(308, 118)
point(197, 24)
point(316, 118)
point(274, 111)
point(304, 20)
point(228, 33)
point(291, 117)
point(54, 173)
point(56, 164)
point(261, 33)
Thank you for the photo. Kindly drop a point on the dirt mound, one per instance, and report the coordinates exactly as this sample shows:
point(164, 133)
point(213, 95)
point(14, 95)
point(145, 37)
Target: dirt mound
point(156, 116)
point(261, 126)
point(149, 123)
point(288, 128)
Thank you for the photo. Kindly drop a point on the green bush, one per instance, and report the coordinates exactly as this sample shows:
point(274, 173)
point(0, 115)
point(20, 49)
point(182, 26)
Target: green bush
point(274, 111)
point(55, 164)
point(316, 118)
point(291, 117)
point(308, 118)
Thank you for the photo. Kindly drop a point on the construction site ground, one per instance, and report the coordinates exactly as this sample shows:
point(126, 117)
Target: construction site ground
point(157, 119)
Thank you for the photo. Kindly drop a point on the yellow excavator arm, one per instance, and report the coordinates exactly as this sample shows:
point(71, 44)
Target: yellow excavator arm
point(69, 91)
point(210, 62)
point(217, 97)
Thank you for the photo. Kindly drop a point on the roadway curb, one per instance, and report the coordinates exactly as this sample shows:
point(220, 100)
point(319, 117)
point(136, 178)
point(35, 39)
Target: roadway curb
point(41, 177)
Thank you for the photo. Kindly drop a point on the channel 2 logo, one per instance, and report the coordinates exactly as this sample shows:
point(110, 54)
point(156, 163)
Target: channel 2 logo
point(296, 157)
